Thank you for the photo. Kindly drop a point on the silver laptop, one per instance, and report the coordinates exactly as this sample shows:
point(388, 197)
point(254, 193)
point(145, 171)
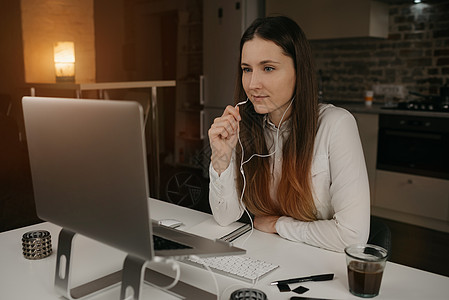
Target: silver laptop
point(89, 171)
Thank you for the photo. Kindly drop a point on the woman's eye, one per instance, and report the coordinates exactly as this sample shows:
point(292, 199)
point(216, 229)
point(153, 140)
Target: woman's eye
point(268, 69)
point(246, 70)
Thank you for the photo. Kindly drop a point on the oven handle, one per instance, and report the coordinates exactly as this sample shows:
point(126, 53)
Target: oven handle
point(429, 136)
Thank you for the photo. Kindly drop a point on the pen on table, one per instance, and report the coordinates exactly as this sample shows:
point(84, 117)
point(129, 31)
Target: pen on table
point(322, 277)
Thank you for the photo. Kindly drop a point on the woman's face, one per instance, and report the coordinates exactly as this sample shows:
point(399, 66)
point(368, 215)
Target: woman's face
point(268, 77)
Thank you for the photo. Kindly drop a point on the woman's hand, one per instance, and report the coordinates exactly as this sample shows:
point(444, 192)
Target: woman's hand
point(223, 136)
point(266, 223)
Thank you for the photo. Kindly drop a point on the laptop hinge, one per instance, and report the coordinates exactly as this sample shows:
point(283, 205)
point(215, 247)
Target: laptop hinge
point(229, 244)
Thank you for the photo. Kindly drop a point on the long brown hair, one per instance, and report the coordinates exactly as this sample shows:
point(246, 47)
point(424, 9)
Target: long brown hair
point(295, 194)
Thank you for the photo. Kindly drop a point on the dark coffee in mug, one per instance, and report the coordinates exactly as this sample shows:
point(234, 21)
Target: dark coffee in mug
point(364, 278)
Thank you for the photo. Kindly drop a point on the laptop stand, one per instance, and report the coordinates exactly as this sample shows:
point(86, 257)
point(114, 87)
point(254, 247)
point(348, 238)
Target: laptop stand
point(63, 269)
point(131, 277)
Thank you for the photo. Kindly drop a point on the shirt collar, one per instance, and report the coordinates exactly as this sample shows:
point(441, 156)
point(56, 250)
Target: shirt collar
point(270, 125)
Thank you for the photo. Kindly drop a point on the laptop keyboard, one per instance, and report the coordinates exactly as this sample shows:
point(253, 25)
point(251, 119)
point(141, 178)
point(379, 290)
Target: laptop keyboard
point(160, 243)
point(237, 266)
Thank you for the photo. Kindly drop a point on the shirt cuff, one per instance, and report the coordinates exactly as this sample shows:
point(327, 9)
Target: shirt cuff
point(225, 176)
point(223, 184)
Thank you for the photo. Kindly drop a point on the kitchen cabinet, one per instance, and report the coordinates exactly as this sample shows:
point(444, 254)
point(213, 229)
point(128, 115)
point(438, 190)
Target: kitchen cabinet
point(223, 25)
point(409, 198)
point(208, 53)
point(330, 19)
point(368, 128)
point(189, 106)
point(412, 194)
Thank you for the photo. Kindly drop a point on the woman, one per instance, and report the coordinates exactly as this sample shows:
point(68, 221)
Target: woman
point(308, 182)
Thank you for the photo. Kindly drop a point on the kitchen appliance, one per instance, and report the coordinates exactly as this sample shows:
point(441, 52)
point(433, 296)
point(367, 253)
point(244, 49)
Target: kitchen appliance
point(422, 106)
point(224, 23)
point(435, 103)
point(414, 145)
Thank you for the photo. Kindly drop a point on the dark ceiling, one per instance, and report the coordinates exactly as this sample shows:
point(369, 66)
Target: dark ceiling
point(399, 2)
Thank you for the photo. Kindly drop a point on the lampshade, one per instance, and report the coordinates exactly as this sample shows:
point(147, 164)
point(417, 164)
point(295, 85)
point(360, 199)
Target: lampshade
point(64, 57)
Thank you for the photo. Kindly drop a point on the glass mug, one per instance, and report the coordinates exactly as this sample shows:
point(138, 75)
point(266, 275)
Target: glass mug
point(369, 98)
point(365, 264)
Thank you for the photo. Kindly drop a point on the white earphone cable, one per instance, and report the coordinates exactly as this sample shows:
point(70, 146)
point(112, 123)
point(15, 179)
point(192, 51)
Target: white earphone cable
point(217, 289)
point(242, 162)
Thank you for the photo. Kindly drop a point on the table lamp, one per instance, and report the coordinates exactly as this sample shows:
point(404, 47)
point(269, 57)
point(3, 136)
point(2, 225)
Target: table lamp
point(64, 57)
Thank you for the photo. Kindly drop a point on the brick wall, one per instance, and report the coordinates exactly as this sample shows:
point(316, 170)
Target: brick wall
point(416, 55)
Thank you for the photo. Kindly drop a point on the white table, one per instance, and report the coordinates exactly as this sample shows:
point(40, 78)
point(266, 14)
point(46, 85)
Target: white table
point(28, 279)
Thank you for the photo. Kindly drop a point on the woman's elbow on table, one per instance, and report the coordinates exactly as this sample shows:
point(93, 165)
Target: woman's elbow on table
point(223, 220)
point(357, 236)
point(225, 217)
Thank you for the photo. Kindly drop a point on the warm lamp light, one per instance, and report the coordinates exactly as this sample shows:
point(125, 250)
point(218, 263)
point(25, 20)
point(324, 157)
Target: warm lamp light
point(64, 56)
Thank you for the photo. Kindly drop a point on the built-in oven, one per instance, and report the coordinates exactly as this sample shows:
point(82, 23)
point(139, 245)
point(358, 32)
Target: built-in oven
point(414, 145)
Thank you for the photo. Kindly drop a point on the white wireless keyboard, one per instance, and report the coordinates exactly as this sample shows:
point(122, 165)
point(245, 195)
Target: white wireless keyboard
point(237, 266)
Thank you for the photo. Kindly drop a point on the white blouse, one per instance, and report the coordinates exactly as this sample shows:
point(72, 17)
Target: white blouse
point(339, 180)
